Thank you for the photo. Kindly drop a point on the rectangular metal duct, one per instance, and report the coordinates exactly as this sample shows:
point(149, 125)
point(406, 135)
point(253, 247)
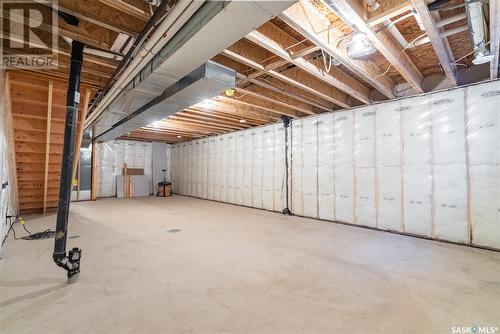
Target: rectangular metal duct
point(205, 82)
point(215, 26)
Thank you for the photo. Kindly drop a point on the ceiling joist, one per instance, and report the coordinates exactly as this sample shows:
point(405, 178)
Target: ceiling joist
point(313, 25)
point(436, 40)
point(334, 76)
point(383, 41)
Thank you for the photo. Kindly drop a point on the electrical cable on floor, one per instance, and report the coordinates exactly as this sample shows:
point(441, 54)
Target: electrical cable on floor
point(47, 234)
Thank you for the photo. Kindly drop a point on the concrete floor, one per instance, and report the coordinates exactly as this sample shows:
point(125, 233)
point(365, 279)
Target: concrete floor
point(239, 270)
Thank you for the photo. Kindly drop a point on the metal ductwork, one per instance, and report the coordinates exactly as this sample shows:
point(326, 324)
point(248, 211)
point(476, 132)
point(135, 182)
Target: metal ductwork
point(204, 82)
point(213, 27)
point(477, 28)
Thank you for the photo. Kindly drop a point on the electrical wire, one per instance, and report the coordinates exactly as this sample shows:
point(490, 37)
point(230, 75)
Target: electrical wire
point(329, 66)
point(404, 49)
point(48, 233)
point(456, 62)
point(11, 228)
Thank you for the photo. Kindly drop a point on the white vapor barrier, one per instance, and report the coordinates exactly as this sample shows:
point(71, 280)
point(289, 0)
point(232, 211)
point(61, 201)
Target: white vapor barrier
point(230, 168)
point(257, 168)
point(267, 168)
point(326, 170)
point(449, 166)
point(483, 125)
point(388, 164)
point(309, 156)
point(364, 161)
point(278, 159)
point(113, 154)
point(296, 165)
point(416, 122)
point(344, 166)
point(238, 167)
point(427, 165)
point(245, 168)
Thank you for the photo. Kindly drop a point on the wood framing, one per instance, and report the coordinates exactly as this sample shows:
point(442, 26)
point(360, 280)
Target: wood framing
point(312, 87)
point(494, 37)
point(34, 137)
point(124, 7)
point(334, 77)
point(79, 133)
point(436, 40)
point(47, 145)
point(383, 41)
point(313, 25)
point(389, 13)
point(102, 15)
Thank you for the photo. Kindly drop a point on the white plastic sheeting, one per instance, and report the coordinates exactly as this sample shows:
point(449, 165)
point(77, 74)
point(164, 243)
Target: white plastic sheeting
point(7, 195)
point(245, 168)
point(427, 165)
point(113, 154)
point(483, 126)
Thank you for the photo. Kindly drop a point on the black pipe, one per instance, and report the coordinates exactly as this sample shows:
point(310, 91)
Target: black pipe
point(155, 20)
point(70, 263)
point(286, 124)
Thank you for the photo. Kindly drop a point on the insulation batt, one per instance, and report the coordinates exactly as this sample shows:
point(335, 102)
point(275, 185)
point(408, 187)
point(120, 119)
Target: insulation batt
point(239, 169)
point(326, 170)
point(449, 166)
point(309, 161)
point(427, 165)
point(257, 168)
point(230, 168)
point(279, 185)
point(297, 168)
point(111, 157)
point(344, 167)
point(483, 124)
point(364, 161)
point(267, 168)
point(389, 166)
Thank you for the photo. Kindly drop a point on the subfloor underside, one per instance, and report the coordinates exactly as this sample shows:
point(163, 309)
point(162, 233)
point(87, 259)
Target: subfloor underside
point(187, 265)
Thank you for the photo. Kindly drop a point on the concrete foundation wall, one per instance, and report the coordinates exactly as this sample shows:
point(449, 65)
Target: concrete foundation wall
point(427, 165)
point(113, 154)
point(244, 168)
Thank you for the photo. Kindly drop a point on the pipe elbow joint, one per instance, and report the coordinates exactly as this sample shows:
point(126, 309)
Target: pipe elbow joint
point(70, 263)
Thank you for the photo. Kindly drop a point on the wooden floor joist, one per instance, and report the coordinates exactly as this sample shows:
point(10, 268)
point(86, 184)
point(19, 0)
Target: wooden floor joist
point(275, 40)
point(313, 25)
point(297, 80)
point(436, 39)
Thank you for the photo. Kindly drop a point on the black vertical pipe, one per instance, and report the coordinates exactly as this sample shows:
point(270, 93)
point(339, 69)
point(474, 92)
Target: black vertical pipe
point(72, 102)
point(286, 124)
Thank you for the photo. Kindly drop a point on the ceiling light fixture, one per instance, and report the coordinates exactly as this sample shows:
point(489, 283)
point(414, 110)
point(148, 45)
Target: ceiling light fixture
point(242, 121)
point(373, 5)
point(179, 136)
point(205, 103)
point(360, 46)
point(482, 56)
